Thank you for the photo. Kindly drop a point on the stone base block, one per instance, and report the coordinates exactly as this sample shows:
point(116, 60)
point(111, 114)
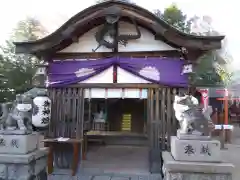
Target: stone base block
point(24, 167)
point(18, 144)
point(191, 136)
point(155, 161)
point(183, 170)
point(15, 131)
point(195, 150)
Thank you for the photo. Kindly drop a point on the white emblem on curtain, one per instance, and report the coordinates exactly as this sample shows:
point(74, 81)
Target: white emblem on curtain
point(188, 68)
point(150, 72)
point(84, 72)
point(47, 83)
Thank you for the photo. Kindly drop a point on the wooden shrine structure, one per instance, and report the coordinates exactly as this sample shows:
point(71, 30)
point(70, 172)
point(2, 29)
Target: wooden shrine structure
point(137, 38)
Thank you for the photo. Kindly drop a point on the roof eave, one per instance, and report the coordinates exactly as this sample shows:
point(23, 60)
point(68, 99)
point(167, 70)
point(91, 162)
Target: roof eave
point(68, 28)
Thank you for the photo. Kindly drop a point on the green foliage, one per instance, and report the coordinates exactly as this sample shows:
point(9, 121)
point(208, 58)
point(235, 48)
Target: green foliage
point(205, 72)
point(18, 70)
point(225, 75)
point(176, 18)
point(209, 72)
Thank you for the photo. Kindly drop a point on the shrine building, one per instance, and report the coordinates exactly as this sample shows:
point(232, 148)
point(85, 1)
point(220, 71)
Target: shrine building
point(111, 72)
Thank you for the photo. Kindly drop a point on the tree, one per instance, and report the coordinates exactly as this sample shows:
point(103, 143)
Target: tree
point(206, 73)
point(175, 17)
point(211, 69)
point(213, 66)
point(19, 69)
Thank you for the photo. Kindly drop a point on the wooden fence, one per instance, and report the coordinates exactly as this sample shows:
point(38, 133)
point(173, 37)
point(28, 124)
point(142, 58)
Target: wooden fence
point(67, 112)
point(162, 123)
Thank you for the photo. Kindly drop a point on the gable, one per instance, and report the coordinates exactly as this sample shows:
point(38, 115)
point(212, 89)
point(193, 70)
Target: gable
point(87, 42)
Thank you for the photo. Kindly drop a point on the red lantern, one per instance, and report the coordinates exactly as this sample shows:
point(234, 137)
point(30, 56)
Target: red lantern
point(205, 97)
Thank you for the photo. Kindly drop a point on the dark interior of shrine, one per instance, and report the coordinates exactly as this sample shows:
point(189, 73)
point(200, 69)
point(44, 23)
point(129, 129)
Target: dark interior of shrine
point(122, 115)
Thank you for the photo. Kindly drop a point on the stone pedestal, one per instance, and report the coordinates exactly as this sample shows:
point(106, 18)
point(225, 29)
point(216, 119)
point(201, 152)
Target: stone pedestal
point(195, 150)
point(18, 144)
point(20, 159)
point(183, 170)
point(195, 159)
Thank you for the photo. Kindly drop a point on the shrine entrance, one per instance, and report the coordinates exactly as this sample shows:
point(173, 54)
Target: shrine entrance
point(75, 121)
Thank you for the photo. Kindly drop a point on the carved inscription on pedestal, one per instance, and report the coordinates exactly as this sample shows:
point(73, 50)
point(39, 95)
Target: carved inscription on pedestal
point(205, 150)
point(195, 150)
point(189, 149)
point(2, 142)
point(9, 142)
point(15, 143)
point(18, 144)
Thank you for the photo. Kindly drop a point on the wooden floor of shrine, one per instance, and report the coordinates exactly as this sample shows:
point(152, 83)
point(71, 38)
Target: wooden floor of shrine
point(112, 162)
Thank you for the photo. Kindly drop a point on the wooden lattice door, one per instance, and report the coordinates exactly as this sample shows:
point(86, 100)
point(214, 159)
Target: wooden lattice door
point(161, 124)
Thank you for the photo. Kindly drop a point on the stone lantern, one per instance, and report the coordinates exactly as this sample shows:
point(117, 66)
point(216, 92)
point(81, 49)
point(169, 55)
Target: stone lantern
point(40, 77)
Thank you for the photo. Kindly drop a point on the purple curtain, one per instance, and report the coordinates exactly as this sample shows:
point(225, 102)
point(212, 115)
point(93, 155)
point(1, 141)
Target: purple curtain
point(166, 71)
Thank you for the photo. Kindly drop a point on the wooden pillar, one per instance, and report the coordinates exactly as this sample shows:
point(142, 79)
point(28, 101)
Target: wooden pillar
point(226, 110)
point(155, 160)
point(225, 133)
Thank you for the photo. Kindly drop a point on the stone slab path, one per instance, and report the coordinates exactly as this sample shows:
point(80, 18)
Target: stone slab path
point(111, 163)
point(106, 177)
point(232, 152)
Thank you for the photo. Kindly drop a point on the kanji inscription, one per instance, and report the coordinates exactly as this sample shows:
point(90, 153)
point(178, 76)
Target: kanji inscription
point(15, 143)
point(46, 112)
point(205, 150)
point(188, 149)
point(2, 142)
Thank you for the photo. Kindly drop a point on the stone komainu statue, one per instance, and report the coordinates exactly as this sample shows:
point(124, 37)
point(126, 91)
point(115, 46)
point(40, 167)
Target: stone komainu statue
point(193, 119)
point(17, 117)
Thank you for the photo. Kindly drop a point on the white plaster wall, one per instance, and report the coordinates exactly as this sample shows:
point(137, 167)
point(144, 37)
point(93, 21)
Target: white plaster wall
point(147, 41)
point(122, 77)
point(86, 43)
point(103, 77)
point(115, 93)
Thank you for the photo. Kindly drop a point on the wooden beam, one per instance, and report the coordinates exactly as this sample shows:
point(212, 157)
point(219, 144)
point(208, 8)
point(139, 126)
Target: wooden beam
point(89, 55)
point(118, 85)
point(114, 85)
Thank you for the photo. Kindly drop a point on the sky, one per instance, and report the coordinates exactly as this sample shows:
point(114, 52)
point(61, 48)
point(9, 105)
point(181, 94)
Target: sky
point(53, 13)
